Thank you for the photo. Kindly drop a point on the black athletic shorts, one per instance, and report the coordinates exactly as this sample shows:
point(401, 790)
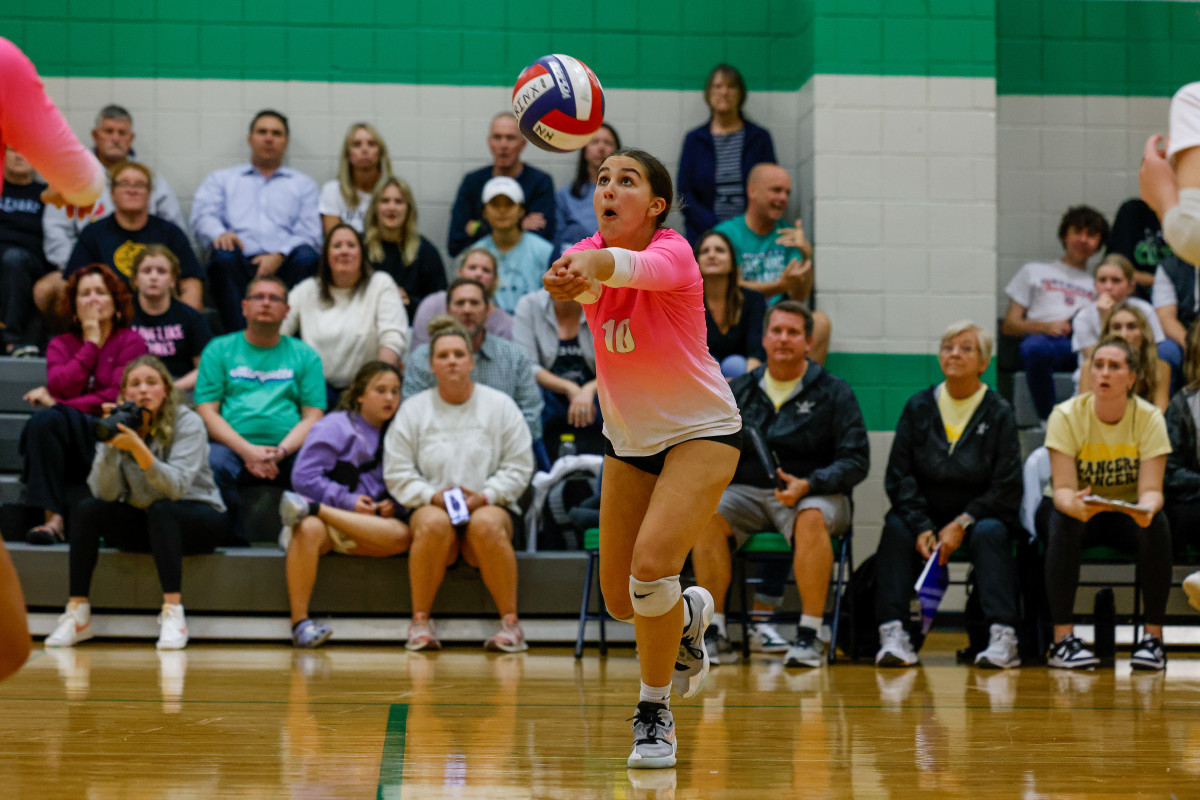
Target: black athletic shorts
point(654, 464)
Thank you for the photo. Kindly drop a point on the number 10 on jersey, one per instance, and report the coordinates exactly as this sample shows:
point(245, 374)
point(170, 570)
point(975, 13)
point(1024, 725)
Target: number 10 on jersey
point(617, 336)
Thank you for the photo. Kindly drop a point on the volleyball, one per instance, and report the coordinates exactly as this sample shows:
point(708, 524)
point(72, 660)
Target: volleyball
point(559, 103)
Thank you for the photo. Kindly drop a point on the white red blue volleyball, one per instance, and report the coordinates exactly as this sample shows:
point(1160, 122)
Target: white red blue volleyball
point(559, 103)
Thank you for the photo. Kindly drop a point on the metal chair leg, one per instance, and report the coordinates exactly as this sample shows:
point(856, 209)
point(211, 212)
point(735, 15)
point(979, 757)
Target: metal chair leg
point(583, 606)
point(839, 588)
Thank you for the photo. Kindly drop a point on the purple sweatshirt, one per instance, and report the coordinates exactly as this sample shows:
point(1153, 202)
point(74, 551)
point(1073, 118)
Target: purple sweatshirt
point(340, 436)
point(82, 375)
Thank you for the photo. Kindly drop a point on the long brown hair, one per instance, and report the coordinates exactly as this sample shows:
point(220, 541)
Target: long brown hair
point(351, 399)
point(733, 291)
point(325, 273)
point(162, 427)
point(410, 238)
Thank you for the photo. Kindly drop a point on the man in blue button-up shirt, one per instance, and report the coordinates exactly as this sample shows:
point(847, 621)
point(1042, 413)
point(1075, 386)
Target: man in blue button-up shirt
point(259, 219)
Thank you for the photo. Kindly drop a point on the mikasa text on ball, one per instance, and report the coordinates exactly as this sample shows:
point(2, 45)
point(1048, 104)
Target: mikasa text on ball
point(559, 103)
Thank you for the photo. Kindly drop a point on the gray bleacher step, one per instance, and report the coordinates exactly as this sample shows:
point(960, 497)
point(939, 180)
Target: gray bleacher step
point(18, 376)
point(1023, 409)
point(11, 426)
point(12, 491)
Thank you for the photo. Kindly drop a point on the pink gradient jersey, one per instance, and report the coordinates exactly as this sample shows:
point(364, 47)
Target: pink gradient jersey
point(32, 125)
point(659, 385)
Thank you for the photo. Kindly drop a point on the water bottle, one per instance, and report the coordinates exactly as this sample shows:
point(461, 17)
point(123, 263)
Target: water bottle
point(566, 445)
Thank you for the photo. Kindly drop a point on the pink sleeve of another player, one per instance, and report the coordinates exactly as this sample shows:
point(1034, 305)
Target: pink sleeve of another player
point(666, 264)
point(32, 125)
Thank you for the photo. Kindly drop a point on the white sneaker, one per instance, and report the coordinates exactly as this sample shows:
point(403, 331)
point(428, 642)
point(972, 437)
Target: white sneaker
point(74, 626)
point(1191, 585)
point(895, 648)
point(765, 639)
point(173, 634)
point(1001, 652)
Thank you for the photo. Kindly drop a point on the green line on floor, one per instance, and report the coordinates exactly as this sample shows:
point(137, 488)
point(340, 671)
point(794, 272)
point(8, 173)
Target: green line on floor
point(391, 765)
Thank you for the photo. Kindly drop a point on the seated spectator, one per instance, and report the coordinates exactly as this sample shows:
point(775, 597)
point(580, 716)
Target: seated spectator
point(775, 260)
point(174, 331)
point(575, 213)
point(480, 265)
point(1044, 296)
point(340, 503)
point(556, 336)
point(1182, 480)
point(153, 491)
point(954, 480)
point(1115, 283)
point(717, 157)
point(258, 393)
point(112, 139)
point(733, 313)
point(1175, 279)
point(495, 362)
point(522, 256)
point(1137, 235)
point(811, 420)
point(259, 219)
point(1154, 378)
point(349, 313)
point(396, 247)
point(363, 164)
point(467, 223)
point(117, 238)
point(465, 436)
point(21, 261)
point(1108, 444)
point(83, 372)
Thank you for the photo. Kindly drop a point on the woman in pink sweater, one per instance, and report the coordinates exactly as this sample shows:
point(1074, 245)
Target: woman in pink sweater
point(83, 373)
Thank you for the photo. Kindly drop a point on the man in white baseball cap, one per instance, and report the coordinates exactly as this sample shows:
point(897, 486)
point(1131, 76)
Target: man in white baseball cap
point(522, 256)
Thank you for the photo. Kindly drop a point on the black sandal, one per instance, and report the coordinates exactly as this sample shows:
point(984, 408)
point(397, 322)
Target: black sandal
point(44, 534)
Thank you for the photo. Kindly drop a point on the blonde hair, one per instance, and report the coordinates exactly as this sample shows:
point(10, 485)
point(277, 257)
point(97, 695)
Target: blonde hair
point(444, 325)
point(345, 174)
point(410, 238)
point(162, 427)
point(1120, 262)
point(983, 337)
point(1147, 353)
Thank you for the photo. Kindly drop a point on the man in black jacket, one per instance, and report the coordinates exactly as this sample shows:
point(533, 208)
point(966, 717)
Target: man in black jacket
point(954, 479)
point(814, 430)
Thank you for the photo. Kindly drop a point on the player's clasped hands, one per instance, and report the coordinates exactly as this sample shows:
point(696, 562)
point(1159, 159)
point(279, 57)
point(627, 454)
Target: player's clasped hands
point(567, 279)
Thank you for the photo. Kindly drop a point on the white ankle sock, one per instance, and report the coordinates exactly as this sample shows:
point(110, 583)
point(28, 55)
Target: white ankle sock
point(812, 623)
point(656, 694)
point(719, 623)
point(81, 611)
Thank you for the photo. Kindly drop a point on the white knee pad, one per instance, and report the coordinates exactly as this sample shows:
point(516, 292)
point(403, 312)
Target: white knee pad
point(1181, 227)
point(654, 598)
point(628, 619)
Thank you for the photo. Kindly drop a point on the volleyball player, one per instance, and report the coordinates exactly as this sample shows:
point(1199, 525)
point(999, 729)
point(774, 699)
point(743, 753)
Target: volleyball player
point(672, 426)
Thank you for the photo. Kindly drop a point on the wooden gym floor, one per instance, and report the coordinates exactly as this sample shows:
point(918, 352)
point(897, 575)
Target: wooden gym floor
point(118, 720)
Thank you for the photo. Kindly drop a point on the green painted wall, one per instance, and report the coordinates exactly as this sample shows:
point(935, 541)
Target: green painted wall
point(1113, 47)
point(665, 44)
point(884, 382)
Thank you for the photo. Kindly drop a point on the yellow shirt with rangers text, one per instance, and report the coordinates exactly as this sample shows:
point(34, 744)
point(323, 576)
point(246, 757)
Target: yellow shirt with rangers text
point(1108, 457)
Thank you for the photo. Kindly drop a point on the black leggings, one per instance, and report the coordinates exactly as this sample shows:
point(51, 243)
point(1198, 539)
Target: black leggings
point(57, 444)
point(170, 529)
point(1064, 545)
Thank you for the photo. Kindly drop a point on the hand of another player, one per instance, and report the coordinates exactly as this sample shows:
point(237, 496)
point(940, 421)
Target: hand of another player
point(925, 544)
point(794, 237)
point(364, 505)
point(1156, 177)
point(53, 197)
point(40, 398)
point(534, 221)
point(228, 241)
point(267, 263)
point(951, 538)
point(796, 488)
point(563, 286)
